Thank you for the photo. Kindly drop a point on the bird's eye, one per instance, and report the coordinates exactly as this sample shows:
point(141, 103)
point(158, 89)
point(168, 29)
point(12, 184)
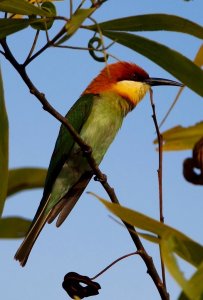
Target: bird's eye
point(134, 77)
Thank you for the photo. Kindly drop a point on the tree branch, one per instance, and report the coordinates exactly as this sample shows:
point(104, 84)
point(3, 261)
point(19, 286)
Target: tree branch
point(151, 270)
point(160, 176)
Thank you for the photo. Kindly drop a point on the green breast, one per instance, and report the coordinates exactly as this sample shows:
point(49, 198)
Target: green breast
point(103, 123)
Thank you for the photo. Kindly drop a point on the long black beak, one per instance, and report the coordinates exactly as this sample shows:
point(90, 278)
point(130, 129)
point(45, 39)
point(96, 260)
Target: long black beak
point(161, 81)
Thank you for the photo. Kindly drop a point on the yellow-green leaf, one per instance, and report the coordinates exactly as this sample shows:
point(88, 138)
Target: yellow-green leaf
point(22, 7)
point(74, 23)
point(195, 285)
point(152, 22)
point(167, 249)
point(13, 227)
point(181, 138)
point(199, 57)
point(4, 131)
point(25, 178)
point(9, 26)
point(184, 246)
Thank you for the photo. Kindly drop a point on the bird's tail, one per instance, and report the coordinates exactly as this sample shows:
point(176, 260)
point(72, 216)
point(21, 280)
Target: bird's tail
point(25, 248)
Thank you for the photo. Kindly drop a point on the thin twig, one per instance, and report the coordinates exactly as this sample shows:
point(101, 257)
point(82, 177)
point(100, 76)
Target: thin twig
point(46, 46)
point(33, 46)
point(151, 270)
point(80, 5)
point(101, 38)
point(171, 107)
point(113, 263)
point(71, 8)
point(160, 176)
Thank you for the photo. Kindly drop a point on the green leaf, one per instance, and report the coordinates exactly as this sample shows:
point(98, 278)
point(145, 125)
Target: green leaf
point(13, 227)
point(171, 241)
point(195, 284)
point(3, 147)
point(25, 178)
point(75, 22)
point(9, 26)
point(152, 22)
point(176, 64)
point(199, 62)
point(167, 247)
point(183, 246)
point(181, 138)
point(44, 24)
point(22, 7)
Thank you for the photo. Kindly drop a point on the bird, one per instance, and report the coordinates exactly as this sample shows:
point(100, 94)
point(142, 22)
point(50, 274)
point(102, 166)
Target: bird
point(97, 116)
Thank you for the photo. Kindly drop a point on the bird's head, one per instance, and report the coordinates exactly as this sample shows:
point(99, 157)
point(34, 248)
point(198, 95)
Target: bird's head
point(126, 79)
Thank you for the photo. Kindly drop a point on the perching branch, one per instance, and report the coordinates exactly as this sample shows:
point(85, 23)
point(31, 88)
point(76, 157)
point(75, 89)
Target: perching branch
point(21, 69)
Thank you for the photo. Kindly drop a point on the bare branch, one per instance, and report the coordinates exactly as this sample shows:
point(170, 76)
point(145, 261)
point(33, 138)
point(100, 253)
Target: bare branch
point(160, 177)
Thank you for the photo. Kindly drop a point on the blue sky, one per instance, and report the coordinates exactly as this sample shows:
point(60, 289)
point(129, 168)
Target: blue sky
point(89, 240)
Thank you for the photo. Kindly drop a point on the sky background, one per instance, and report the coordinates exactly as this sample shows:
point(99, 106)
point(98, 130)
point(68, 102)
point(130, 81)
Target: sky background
point(89, 240)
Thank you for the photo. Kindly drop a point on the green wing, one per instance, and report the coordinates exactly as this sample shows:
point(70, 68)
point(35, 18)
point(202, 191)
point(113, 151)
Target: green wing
point(77, 116)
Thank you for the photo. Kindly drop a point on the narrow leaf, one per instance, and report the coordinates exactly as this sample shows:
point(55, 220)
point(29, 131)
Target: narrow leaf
point(25, 178)
point(152, 22)
point(9, 26)
point(181, 138)
point(167, 249)
point(3, 147)
point(195, 284)
point(199, 62)
point(199, 57)
point(22, 7)
point(176, 64)
point(75, 22)
point(13, 227)
point(184, 246)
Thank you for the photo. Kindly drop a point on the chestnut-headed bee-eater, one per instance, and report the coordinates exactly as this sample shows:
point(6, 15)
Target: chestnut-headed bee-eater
point(97, 116)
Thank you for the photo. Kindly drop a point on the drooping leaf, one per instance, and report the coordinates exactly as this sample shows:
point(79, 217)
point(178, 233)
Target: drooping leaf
point(176, 64)
point(181, 138)
point(195, 284)
point(167, 251)
point(22, 7)
point(9, 26)
point(152, 22)
point(74, 23)
point(13, 227)
point(199, 62)
point(183, 246)
point(4, 131)
point(25, 178)
point(171, 241)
